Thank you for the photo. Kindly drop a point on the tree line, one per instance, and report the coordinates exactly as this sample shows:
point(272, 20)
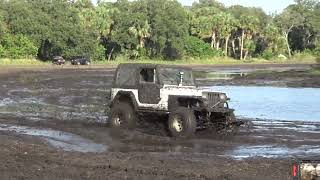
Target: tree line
point(161, 29)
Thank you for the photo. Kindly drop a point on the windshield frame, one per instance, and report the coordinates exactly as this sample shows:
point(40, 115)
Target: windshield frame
point(187, 71)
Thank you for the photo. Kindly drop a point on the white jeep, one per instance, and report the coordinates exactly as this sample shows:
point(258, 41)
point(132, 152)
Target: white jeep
point(167, 90)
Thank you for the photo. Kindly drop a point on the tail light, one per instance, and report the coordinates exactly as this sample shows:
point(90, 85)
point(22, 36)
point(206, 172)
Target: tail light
point(294, 170)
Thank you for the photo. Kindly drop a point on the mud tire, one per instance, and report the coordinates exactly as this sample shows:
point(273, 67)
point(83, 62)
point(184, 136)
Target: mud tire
point(123, 116)
point(231, 128)
point(187, 123)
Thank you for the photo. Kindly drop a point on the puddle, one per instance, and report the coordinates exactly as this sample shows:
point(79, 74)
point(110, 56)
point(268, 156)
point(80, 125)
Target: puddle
point(272, 151)
point(292, 104)
point(58, 139)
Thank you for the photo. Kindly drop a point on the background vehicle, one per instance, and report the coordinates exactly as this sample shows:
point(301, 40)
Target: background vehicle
point(171, 91)
point(58, 60)
point(80, 60)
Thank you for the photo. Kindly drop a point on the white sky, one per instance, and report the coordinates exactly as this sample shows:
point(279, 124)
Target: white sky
point(269, 6)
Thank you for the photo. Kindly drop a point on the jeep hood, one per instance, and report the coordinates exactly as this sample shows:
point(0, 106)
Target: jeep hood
point(185, 90)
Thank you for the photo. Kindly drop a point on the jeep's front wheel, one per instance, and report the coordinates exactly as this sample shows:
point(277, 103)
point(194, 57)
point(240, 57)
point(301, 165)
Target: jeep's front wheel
point(123, 116)
point(182, 122)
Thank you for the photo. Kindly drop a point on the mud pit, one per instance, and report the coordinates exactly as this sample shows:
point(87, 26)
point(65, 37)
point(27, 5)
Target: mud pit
point(53, 126)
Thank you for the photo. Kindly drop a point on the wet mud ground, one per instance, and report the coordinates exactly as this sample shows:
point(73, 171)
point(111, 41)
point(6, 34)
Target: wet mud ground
point(53, 126)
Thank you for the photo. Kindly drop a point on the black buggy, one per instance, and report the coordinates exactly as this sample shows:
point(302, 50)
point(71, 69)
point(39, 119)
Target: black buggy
point(58, 60)
point(80, 60)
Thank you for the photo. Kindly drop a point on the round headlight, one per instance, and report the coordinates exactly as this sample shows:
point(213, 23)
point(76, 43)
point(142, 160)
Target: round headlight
point(204, 96)
point(223, 97)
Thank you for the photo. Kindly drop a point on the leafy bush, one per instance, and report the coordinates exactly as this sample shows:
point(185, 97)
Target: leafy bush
point(195, 47)
point(267, 54)
point(17, 46)
point(99, 53)
point(250, 46)
point(1, 51)
point(306, 54)
point(316, 51)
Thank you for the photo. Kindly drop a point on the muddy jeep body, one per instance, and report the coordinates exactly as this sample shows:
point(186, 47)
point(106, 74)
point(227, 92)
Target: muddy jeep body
point(167, 90)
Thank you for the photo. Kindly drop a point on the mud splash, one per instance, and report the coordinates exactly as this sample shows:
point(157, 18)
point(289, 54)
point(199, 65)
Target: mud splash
point(58, 139)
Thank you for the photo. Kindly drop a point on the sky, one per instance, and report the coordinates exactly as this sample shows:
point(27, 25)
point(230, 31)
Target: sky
point(269, 6)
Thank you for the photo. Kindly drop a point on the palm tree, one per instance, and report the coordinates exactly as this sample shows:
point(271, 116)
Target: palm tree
point(248, 26)
point(227, 24)
point(141, 32)
point(104, 19)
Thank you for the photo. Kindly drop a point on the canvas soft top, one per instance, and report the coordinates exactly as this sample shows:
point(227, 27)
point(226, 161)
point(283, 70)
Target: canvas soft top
point(126, 73)
point(148, 65)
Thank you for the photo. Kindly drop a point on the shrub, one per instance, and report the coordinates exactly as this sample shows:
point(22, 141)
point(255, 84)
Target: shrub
point(195, 47)
point(267, 54)
point(99, 53)
point(17, 46)
point(316, 51)
point(306, 54)
point(1, 51)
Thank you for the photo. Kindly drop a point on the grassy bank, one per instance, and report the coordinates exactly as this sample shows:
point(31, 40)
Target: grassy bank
point(22, 62)
point(315, 72)
point(212, 61)
point(189, 61)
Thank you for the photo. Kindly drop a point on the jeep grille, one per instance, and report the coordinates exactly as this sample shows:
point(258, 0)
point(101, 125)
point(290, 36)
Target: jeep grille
point(213, 98)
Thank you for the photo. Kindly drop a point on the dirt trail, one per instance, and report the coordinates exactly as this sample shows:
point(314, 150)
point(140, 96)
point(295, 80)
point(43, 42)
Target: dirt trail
point(71, 103)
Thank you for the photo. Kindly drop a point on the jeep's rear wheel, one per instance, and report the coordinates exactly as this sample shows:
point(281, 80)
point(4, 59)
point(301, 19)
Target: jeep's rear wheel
point(123, 116)
point(182, 122)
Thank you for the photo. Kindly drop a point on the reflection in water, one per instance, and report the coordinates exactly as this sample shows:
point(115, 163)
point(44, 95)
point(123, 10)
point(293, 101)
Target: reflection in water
point(274, 102)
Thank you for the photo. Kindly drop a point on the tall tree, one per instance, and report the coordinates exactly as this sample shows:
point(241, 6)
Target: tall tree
point(104, 22)
point(248, 27)
point(54, 26)
point(287, 21)
point(273, 38)
point(226, 24)
point(141, 32)
point(169, 27)
point(204, 22)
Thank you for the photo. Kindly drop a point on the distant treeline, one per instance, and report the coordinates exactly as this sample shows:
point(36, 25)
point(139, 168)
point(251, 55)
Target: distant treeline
point(159, 29)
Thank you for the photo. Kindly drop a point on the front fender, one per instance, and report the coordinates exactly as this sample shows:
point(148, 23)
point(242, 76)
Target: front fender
point(125, 96)
point(175, 101)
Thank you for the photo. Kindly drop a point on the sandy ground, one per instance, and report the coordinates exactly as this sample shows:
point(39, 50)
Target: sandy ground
point(70, 104)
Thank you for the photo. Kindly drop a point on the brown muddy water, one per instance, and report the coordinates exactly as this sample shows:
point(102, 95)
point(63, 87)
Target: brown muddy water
point(68, 110)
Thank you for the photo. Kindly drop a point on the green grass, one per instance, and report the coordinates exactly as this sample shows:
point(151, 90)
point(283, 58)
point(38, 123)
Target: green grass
point(21, 62)
point(315, 72)
point(187, 61)
point(211, 61)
